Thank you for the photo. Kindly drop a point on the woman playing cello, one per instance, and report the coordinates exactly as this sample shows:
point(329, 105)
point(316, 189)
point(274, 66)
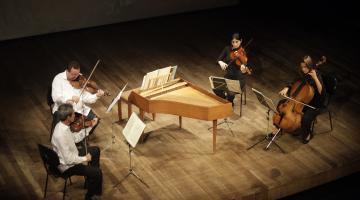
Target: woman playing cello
point(312, 79)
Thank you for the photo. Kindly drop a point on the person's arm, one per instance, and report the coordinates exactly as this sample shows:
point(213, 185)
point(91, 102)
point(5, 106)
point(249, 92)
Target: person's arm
point(57, 91)
point(222, 58)
point(89, 98)
point(223, 54)
point(318, 81)
point(79, 136)
point(63, 146)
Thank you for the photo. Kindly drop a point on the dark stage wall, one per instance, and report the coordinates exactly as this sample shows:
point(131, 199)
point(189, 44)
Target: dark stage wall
point(21, 18)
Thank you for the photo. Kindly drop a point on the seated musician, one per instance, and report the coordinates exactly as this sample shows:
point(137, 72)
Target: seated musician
point(307, 69)
point(64, 92)
point(235, 67)
point(63, 142)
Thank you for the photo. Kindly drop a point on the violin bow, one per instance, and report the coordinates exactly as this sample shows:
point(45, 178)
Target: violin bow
point(247, 44)
point(87, 80)
point(299, 102)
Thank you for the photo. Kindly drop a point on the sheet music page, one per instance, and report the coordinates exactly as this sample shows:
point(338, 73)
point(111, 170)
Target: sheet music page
point(163, 75)
point(218, 82)
point(133, 129)
point(116, 99)
point(211, 82)
point(233, 85)
point(151, 79)
point(173, 72)
point(267, 100)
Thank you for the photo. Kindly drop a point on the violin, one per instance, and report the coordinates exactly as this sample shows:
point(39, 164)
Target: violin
point(91, 86)
point(80, 122)
point(240, 58)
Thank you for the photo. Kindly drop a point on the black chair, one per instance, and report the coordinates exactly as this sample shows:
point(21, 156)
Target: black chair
point(50, 102)
point(51, 162)
point(330, 84)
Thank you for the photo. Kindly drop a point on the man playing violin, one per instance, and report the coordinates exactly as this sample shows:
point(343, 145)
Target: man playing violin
point(307, 70)
point(233, 60)
point(64, 92)
point(71, 160)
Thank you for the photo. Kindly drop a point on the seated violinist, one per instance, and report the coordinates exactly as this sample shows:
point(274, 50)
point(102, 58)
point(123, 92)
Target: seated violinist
point(233, 60)
point(71, 159)
point(64, 91)
point(308, 72)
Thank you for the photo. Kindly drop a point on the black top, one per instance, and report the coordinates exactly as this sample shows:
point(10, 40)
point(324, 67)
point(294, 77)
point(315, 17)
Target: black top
point(318, 99)
point(225, 56)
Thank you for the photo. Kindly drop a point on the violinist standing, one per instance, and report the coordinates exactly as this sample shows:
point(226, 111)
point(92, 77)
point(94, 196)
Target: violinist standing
point(233, 60)
point(64, 92)
point(307, 70)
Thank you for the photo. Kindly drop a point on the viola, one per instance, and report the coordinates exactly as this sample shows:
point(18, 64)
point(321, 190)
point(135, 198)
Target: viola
point(290, 112)
point(91, 86)
point(80, 122)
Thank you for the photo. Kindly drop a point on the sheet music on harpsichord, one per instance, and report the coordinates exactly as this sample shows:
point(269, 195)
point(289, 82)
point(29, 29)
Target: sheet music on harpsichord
point(158, 77)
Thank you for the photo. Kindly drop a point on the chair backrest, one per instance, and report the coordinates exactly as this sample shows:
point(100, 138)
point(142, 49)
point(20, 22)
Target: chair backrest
point(50, 160)
point(49, 99)
point(330, 84)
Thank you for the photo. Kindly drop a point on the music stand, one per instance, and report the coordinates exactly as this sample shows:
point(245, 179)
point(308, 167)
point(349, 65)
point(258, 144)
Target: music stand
point(268, 103)
point(227, 85)
point(132, 132)
point(113, 102)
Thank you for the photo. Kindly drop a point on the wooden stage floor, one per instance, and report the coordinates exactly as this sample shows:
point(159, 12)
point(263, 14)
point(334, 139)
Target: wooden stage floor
point(179, 163)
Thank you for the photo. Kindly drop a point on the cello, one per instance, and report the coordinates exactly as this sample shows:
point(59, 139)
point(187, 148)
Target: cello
point(289, 114)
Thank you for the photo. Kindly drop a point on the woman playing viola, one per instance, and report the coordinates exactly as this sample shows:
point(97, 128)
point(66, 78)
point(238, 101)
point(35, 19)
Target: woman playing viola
point(308, 72)
point(233, 60)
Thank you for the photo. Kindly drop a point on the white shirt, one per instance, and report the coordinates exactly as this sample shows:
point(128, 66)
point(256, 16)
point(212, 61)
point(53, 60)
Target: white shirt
point(63, 91)
point(63, 142)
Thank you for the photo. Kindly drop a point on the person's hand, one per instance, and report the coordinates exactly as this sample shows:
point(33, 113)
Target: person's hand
point(75, 99)
point(312, 73)
point(94, 121)
point(88, 157)
point(284, 91)
point(100, 93)
point(243, 69)
point(223, 65)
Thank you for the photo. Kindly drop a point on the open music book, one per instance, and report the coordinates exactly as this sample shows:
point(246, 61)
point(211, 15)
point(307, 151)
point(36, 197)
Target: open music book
point(133, 129)
point(158, 77)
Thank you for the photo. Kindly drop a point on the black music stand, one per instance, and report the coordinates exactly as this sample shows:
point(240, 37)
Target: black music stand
point(268, 103)
point(220, 83)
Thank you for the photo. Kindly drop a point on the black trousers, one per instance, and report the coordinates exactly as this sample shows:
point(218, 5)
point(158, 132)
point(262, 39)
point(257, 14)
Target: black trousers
point(307, 120)
point(92, 172)
point(233, 75)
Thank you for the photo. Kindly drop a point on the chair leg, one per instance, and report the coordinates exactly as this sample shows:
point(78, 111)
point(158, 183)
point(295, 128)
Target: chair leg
point(46, 184)
point(241, 98)
point(244, 95)
point(64, 191)
point(331, 125)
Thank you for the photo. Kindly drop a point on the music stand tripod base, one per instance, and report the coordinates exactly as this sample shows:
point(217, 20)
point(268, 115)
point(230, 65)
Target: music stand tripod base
point(131, 172)
point(271, 140)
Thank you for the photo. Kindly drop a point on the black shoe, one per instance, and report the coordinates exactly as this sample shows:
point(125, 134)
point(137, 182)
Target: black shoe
point(305, 141)
point(270, 135)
